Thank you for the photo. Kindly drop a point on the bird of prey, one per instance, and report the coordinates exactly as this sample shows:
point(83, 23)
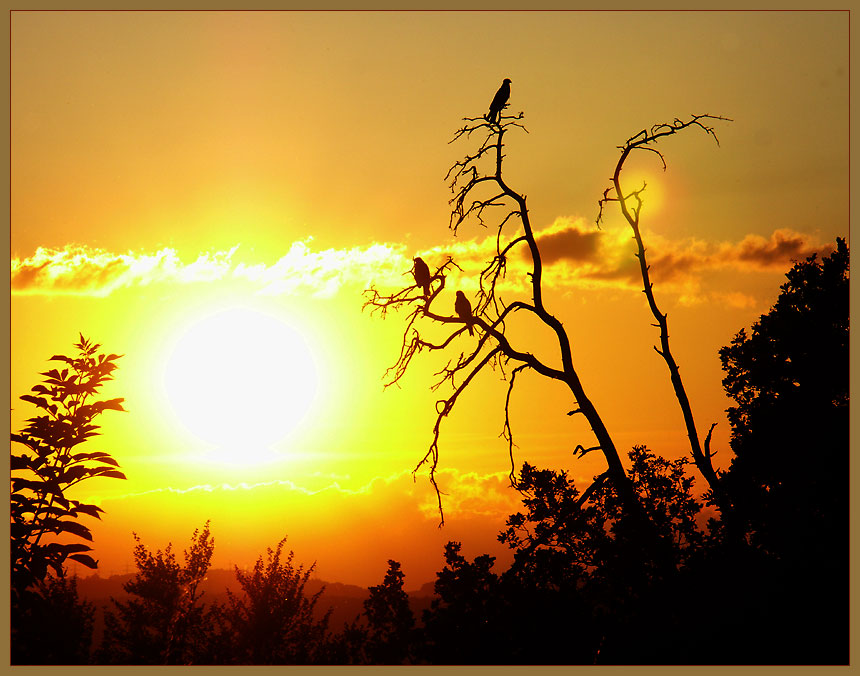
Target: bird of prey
point(422, 275)
point(499, 102)
point(464, 310)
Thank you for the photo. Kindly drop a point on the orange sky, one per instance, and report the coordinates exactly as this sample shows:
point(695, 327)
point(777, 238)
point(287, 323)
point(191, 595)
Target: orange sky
point(170, 167)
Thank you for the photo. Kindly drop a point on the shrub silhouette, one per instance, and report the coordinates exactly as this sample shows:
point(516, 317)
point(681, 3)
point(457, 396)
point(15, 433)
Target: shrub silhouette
point(273, 621)
point(42, 515)
point(54, 627)
point(164, 620)
point(391, 623)
point(789, 476)
point(49, 467)
point(789, 379)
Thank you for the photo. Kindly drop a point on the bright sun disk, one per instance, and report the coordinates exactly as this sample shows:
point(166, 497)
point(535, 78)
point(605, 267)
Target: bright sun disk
point(241, 380)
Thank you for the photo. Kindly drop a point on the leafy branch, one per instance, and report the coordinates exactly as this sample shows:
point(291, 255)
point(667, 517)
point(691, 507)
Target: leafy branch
point(51, 464)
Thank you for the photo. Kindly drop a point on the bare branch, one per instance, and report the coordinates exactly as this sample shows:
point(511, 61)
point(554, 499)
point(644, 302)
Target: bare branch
point(643, 141)
point(708, 453)
point(432, 454)
point(412, 343)
point(477, 188)
point(582, 451)
point(507, 433)
point(597, 483)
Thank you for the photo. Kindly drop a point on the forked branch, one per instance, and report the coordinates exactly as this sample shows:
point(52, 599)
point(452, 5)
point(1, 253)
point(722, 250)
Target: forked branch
point(478, 189)
point(631, 207)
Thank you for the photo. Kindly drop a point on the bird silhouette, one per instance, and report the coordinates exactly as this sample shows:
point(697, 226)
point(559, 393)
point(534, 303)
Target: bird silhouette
point(464, 310)
point(499, 102)
point(422, 275)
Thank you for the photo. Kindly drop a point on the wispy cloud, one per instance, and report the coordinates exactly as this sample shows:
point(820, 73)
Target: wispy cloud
point(472, 495)
point(579, 255)
point(466, 494)
point(78, 270)
point(575, 254)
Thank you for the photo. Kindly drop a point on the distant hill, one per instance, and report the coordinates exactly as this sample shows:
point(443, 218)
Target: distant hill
point(344, 600)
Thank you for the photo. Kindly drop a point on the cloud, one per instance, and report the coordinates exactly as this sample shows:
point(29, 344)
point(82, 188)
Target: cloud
point(469, 495)
point(465, 494)
point(561, 241)
point(79, 270)
point(581, 256)
point(783, 246)
point(575, 255)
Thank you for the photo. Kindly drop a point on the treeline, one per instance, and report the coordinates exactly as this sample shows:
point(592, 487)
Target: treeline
point(590, 582)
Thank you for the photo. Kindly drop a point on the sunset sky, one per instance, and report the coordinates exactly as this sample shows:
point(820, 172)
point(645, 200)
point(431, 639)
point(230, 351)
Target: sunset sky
point(209, 193)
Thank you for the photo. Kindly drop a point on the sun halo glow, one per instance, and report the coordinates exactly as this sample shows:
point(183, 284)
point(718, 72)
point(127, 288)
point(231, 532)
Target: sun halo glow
point(240, 380)
point(652, 190)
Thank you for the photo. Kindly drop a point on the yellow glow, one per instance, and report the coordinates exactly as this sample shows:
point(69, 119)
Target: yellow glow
point(166, 167)
point(241, 380)
point(654, 194)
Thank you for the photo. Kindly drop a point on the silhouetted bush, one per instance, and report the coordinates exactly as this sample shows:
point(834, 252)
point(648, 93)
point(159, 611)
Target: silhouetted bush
point(49, 624)
point(385, 632)
point(53, 626)
point(789, 477)
point(273, 621)
point(164, 620)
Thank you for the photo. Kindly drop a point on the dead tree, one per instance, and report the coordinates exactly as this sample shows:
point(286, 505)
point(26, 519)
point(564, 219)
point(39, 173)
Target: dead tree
point(480, 191)
point(631, 208)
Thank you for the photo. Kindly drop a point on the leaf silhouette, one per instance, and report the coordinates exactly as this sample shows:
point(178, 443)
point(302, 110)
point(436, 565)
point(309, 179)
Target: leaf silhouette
point(112, 473)
point(73, 474)
point(76, 528)
point(114, 404)
point(88, 561)
point(41, 402)
point(19, 462)
point(92, 510)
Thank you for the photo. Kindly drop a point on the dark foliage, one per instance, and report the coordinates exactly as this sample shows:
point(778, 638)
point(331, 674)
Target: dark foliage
point(385, 633)
point(789, 378)
point(595, 580)
point(164, 620)
point(51, 464)
point(42, 516)
point(273, 621)
point(466, 621)
point(54, 626)
point(789, 476)
point(390, 620)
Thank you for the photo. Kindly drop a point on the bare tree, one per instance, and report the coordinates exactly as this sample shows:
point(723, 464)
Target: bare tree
point(479, 191)
point(631, 208)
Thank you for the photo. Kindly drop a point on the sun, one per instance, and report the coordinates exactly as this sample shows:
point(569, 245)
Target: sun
point(651, 185)
point(241, 380)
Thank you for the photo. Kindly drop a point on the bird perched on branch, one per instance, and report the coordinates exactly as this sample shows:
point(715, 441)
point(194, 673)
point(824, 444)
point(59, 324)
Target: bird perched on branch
point(422, 275)
point(464, 310)
point(499, 102)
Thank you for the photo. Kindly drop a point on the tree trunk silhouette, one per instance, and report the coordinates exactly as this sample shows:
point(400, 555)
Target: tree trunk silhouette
point(492, 346)
point(644, 141)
